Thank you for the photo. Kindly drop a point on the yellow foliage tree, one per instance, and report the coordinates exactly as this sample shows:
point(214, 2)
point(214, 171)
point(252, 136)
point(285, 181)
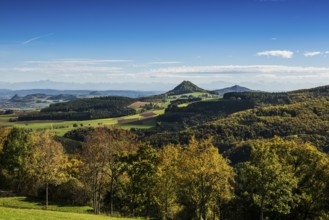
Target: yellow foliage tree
point(47, 161)
point(165, 195)
point(205, 178)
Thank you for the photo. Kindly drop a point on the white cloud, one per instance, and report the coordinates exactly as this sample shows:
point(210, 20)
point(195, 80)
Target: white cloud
point(312, 53)
point(277, 53)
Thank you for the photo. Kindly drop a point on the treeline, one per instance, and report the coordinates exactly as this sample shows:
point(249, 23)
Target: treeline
point(304, 121)
point(180, 118)
point(84, 109)
point(187, 100)
point(280, 98)
point(117, 174)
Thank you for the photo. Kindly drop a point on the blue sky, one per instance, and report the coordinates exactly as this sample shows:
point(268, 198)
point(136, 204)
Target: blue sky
point(250, 42)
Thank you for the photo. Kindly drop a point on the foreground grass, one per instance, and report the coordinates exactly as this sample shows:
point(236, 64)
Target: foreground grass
point(32, 214)
point(27, 203)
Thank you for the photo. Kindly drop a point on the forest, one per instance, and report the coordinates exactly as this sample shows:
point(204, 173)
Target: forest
point(246, 156)
point(115, 173)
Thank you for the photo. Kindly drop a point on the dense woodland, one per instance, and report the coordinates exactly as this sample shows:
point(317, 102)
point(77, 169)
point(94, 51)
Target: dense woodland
point(84, 109)
point(246, 156)
point(117, 174)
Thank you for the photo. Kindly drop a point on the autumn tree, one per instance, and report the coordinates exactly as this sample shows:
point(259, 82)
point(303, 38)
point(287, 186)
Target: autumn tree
point(205, 179)
point(166, 181)
point(47, 161)
point(4, 132)
point(101, 156)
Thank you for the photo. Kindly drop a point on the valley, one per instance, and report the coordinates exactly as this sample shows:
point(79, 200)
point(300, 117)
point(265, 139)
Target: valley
point(61, 117)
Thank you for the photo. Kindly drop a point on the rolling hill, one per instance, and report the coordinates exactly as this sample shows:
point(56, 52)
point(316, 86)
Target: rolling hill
point(185, 87)
point(235, 88)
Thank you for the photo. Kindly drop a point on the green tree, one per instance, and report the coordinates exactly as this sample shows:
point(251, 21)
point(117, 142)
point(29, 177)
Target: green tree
point(311, 168)
point(122, 143)
point(267, 179)
point(141, 170)
point(14, 157)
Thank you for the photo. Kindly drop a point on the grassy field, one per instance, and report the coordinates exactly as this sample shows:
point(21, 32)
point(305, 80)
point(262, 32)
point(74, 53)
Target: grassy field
point(61, 127)
point(26, 209)
point(31, 214)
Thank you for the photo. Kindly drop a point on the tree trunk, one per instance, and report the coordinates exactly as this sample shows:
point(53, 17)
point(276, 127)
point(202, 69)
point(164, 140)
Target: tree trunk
point(47, 195)
point(111, 196)
point(95, 193)
point(203, 201)
point(99, 201)
point(261, 217)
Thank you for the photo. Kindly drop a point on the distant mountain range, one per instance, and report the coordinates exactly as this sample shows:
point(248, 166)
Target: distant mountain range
point(47, 84)
point(189, 87)
point(7, 94)
point(235, 88)
point(154, 86)
point(40, 98)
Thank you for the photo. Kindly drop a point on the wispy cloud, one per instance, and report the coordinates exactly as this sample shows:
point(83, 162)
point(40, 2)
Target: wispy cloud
point(71, 66)
point(165, 62)
point(239, 69)
point(312, 53)
point(77, 61)
point(36, 38)
point(277, 53)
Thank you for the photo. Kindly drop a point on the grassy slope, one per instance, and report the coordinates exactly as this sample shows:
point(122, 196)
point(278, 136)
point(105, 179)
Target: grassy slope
point(31, 214)
point(26, 209)
point(26, 203)
point(61, 127)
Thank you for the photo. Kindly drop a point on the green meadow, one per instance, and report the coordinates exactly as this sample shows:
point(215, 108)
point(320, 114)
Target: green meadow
point(24, 208)
point(61, 127)
point(32, 214)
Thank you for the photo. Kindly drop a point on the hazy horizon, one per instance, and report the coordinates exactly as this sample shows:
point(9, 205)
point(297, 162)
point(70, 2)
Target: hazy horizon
point(139, 86)
point(271, 45)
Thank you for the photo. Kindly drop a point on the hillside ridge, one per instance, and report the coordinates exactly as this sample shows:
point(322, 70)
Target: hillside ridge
point(235, 88)
point(185, 87)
